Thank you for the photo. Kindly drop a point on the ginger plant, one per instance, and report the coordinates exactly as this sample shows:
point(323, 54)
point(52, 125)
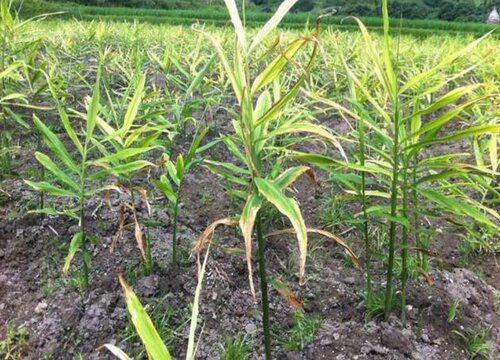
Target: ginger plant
point(78, 177)
point(172, 181)
point(398, 119)
point(262, 121)
point(21, 82)
point(125, 141)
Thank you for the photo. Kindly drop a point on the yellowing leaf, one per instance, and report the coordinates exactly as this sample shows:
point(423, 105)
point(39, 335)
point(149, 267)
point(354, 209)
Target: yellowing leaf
point(247, 221)
point(155, 347)
point(280, 13)
point(291, 210)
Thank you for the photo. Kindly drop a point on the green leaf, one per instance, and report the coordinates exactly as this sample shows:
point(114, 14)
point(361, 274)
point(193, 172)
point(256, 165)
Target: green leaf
point(123, 154)
point(277, 107)
point(315, 159)
point(69, 130)
point(456, 206)
point(74, 245)
point(121, 169)
point(288, 207)
point(441, 120)
point(50, 189)
point(299, 127)
point(6, 17)
point(164, 186)
point(444, 175)
point(109, 130)
point(472, 131)
point(93, 110)
point(153, 343)
point(493, 150)
point(384, 212)
point(179, 167)
point(56, 145)
point(16, 117)
point(387, 54)
point(10, 69)
point(275, 67)
point(199, 77)
point(235, 82)
point(447, 99)
point(219, 171)
point(54, 169)
point(133, 107)
point(229, 166)
point(134, 135)
point(424, 76)
point(231, 146)
point(195, 145)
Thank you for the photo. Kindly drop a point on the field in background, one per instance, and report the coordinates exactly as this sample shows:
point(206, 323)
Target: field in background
point(219, 16)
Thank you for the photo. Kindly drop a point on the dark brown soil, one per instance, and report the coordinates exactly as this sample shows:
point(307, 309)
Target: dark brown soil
point(64, 323)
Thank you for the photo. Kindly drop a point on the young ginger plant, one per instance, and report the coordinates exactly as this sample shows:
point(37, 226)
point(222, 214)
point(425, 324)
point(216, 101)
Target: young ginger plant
point(261, 123)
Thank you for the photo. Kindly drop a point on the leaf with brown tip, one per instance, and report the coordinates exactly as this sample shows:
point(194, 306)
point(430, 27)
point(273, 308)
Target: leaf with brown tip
point(207, 234)
point(328, 235)
point(247, 222)
point(284, 290)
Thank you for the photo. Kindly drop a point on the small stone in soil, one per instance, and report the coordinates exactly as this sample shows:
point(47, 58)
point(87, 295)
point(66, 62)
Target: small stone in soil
point(349, 280)
point(41, 307)
point(250, 328)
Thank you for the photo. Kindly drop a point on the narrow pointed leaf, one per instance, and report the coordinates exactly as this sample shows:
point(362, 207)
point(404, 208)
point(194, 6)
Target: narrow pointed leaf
point(117, 352)
point(247, 222)
point(291, 210)
point(280, 13)
point(191, 349)
point(56, 145)
point(74, 245)
point(275, 67)
point(238, 25)
point(51, 189)
point(61, 176)
point(133, 107)
point(153, 343)
point(289, 176)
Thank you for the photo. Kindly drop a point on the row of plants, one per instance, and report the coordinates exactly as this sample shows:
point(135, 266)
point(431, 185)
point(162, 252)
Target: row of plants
point(122, 139)
point(253, 18)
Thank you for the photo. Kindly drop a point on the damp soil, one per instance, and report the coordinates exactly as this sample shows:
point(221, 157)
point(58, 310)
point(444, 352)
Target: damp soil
point(65, 323)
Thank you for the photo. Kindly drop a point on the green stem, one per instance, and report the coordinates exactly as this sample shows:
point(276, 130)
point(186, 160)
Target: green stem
point(82, 217)
point(4, 143)
point(263, 287)
point(394, 210)
point(41, 174)
point(416, 217)
point(174, 229)
point(404, 252)
point(365, 214)
point(42, 194)
point(84, 238)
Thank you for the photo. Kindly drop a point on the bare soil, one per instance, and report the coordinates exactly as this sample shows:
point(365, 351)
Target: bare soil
point(64, 323)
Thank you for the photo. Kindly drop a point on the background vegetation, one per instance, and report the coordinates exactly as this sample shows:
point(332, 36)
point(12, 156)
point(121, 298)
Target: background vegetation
point(450, 10)
point(187, 13)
